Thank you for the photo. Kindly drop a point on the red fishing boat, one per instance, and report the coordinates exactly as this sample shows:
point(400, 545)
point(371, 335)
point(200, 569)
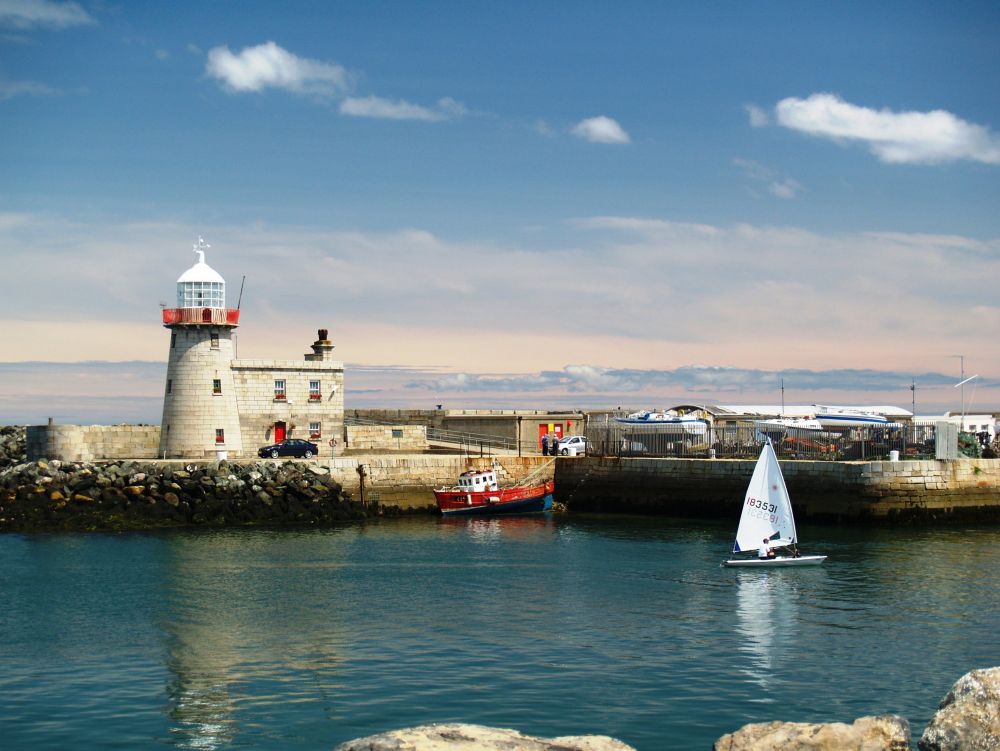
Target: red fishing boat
point(478, 492)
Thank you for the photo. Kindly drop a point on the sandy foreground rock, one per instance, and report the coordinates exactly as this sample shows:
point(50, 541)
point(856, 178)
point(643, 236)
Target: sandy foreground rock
point(460, 737)
point(883, 733)
point(969, 716)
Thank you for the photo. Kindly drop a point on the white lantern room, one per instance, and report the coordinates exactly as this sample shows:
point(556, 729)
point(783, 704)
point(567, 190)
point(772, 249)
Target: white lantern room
point(201, 286)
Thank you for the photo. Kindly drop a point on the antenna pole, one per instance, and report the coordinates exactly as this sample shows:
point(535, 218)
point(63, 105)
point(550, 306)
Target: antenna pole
point(240, 300)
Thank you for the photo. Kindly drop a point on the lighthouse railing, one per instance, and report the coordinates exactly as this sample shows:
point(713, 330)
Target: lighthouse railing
point(201, 316)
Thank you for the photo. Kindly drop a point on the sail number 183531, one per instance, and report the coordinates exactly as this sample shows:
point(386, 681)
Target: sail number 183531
point(763, 505)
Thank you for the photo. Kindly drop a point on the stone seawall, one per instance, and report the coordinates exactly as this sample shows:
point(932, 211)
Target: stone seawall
point(84, 443)
point(964, 488)
point(406, 481)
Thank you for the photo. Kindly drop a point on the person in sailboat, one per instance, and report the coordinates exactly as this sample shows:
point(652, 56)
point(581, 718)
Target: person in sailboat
point(764, 551)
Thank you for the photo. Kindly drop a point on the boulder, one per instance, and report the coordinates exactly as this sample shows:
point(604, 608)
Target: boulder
point(459, 737)
point(969, 715)
point(883, 733)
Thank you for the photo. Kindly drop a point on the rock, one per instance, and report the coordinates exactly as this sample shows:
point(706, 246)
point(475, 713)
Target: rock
point(171, 499)
point(969, 716)
point(317, 469)
point(884, 733)
point(459, 737)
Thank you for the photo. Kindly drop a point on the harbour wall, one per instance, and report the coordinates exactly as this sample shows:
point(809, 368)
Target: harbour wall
point(407, 480)
point(831, 491)
point(85, 443)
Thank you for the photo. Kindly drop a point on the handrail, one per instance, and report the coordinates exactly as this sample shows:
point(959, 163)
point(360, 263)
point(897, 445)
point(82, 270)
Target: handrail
point(201, 316)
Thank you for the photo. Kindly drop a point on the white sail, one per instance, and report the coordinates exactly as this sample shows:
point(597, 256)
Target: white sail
point(767, 510)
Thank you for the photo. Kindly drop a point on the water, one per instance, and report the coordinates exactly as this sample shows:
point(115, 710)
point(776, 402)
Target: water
point(554, 626)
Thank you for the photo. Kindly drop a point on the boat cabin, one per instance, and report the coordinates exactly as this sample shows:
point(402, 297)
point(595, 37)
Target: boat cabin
point(478, 480)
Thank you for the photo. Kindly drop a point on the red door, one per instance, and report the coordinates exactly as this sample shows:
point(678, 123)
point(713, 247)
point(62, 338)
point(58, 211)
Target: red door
point(279, 432)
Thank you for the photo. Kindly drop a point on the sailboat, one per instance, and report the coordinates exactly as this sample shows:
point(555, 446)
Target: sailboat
point(767, 515)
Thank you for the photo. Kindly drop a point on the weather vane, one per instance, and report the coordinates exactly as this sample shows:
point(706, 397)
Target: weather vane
point(200, 247)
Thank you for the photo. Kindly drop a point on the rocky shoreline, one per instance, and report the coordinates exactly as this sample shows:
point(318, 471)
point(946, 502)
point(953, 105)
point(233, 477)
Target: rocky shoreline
point(968, 719)
point(119, 496)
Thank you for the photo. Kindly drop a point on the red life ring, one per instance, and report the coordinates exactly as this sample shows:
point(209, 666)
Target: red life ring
point(331, 442)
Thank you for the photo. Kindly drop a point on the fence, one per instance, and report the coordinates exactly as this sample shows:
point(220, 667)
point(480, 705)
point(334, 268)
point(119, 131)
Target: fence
point(744, 441)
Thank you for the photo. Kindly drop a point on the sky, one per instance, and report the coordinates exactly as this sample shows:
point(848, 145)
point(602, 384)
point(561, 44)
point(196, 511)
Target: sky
point(507, 205)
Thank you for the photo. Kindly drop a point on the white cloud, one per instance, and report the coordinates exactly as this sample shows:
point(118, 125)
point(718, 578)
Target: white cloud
point(600, 129)
point(24, 14)
point(894, 137)
point(389, 109)
point(161, 54)
point(270, 66)
point(786, 188)
point(11, 89)
point(758, 117)
point(777, 185)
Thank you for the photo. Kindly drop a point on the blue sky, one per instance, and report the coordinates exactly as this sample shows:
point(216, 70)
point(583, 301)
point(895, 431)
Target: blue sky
point(765, 188)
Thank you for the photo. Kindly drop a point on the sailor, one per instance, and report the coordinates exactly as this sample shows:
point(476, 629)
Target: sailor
point(764, 551)
point(545, 444)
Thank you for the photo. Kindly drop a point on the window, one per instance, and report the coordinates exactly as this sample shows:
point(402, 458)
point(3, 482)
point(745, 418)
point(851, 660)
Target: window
point(215, 340)
point(220, 435)
point(201, 294)
point(170, 386)
point(314, 430)
point(216, 386)
point(173, 339)
point(279, 388)
point(314, 392)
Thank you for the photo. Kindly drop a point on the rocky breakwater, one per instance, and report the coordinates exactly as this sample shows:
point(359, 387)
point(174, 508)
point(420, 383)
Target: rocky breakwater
point(53, 495)
point(12, 445)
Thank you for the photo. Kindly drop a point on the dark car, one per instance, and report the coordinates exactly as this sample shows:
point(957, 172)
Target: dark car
point(290, 447)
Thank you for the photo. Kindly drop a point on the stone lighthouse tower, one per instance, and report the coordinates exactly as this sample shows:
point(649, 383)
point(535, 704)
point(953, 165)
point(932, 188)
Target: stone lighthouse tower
point(200, 415)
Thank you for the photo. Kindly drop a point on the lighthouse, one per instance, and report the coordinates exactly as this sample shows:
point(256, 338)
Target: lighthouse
point(200, 413)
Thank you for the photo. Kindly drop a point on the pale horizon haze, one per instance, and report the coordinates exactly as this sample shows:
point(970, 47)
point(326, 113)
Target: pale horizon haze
point(518, 205)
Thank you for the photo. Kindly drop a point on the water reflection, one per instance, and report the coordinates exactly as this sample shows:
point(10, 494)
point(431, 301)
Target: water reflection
point(767, 608)
point(491, 529)
point(244, 610)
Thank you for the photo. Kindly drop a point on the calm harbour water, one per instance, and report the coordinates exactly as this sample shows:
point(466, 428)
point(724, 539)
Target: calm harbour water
point(550, 625)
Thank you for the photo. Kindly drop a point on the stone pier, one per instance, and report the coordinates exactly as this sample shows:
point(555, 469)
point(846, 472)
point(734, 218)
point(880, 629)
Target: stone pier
point(960, 489)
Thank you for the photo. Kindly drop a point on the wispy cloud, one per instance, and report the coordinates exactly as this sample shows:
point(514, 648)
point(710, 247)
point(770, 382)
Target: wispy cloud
point(11, 89)
point(721, 381)
point(894, 137)
point(26, 14)
point(777, 184)
point(758, 117)
point(600, 129)
point(398, 109)
point(271, 66)
point(656, 293)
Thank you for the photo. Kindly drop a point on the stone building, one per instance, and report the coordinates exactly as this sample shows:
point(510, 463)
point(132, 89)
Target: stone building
point(216, 405)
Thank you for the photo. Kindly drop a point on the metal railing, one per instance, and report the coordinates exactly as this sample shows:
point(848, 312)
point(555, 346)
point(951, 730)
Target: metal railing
point(745, 441)
point(214, 316)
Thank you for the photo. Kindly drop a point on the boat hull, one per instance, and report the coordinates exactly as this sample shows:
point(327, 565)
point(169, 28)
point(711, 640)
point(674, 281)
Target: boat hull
point(777, 562)
point(516, 500)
